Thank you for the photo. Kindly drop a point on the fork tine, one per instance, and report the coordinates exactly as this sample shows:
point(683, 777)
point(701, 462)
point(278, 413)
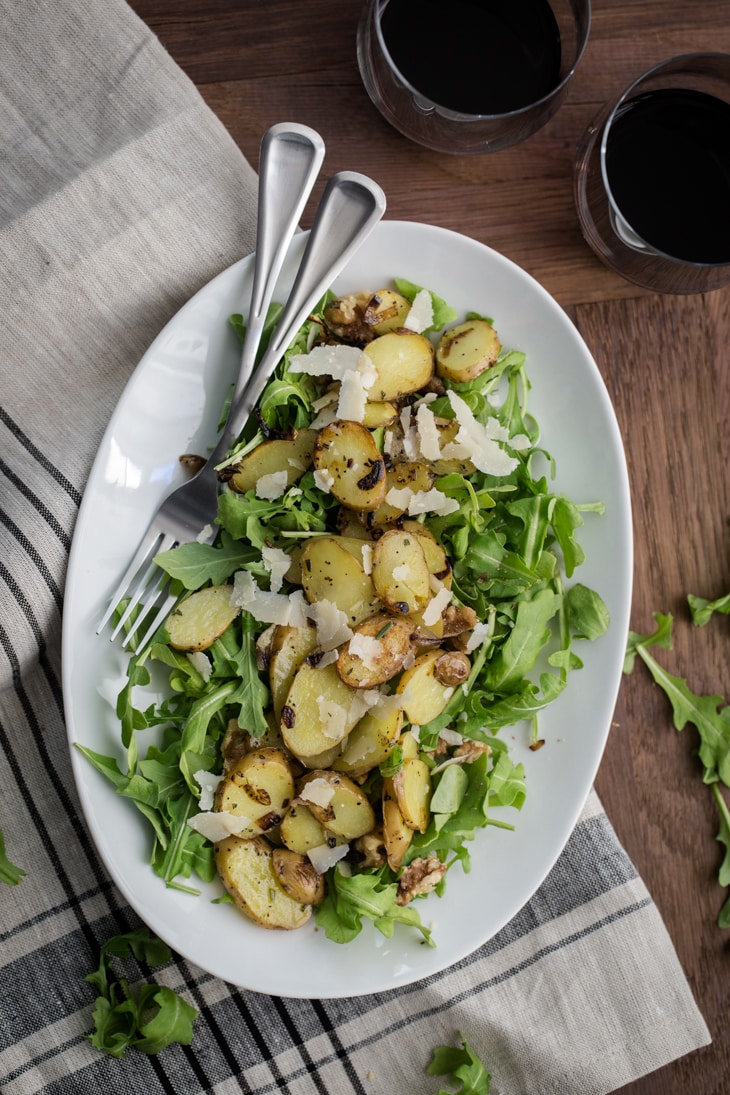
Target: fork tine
point(160, 616)
point(145, 550)
point(145, 594)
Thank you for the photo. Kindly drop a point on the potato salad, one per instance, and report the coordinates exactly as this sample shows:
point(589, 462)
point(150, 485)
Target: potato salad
point(392, 584)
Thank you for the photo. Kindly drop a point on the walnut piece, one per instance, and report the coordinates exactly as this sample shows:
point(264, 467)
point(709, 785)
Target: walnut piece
point(419, 877)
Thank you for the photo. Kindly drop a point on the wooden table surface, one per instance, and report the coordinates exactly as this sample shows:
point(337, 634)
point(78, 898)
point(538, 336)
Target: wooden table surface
point(665, 361)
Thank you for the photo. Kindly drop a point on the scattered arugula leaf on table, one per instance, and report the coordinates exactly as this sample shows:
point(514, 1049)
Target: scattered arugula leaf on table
point(465, 1067)
point(710, 716)
point(9, 873)
point(149, 1019)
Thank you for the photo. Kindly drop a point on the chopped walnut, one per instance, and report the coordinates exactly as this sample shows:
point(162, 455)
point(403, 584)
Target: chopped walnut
point(458, 619)
point(344, 318)
point(419, 877)
point(372, 848)
point(451, 668)
point(192, 462)
point(470, 750)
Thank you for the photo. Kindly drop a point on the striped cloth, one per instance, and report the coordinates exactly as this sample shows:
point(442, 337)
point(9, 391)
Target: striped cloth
point(121, 194)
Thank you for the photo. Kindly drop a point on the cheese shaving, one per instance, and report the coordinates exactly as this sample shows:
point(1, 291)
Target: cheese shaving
point(367, 558)
point(333, 718)
point(202, 663)
point(277, 563)
point(323, 857)
point(479, 634)
point(325, 360)
point(473, 441)
point(208, 783)
point(272, 486)
point(434, 608)
point(323, 479)
point(218, 825)
point(367, 649)
point(428, 434)
point(420, 315)
point(331, 624)
point(318, 791)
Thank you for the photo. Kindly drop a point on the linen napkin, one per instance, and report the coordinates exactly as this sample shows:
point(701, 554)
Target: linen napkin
point(121, 195)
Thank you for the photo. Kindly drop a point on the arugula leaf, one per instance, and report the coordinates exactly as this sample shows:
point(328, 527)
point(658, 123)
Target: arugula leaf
point(350, 898)
point(194, 564)
point(9, 873)
point(713, 725)
point(703, 610)
point(519, 652)
point(443, 313)
point(464, 1066)
point(148, 1020)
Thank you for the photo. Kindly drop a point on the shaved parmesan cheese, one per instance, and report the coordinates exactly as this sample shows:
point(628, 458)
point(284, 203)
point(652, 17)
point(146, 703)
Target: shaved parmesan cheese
point(428, 434)
point(205, 534)
point(330, 396)
point(333, 718)
point(264, 606)
point(325, 416)
point(208, 784)
point(323, 857)
point(325, 360)
point(474, 442)
point(319, 791)
point(277, 563)
point(420, 315)
point(272, 486)
point(202, 663)
point(431, 501)
point(402, 573)
point(323, 479)
point(330, 622)
point(479, 634)
point(434, 608)
point(410, 436)
point(399, 496)
point(218, 825)
point(366, 648)
point(451, 737)
point(353, 397)
point(367, 558)
point(328, 658)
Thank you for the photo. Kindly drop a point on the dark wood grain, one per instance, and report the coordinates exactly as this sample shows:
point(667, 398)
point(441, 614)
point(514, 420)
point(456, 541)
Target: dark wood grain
point(665, 360)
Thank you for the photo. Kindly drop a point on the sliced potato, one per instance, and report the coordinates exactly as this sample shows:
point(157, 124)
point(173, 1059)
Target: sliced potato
point(370, 742)
point(378, 415)
point(347, 454)
point(340, 806)
point(467, 350)
point(397, 836)
point(247, 870)
point(404, 362)
point(376, 652)
point(413, 474)
point(201, 618)
point(290, 646)
point(437, 560)
point(412, 789)
point(332, 573)
point(297, 877)
point(424, 696)
point(300, 830)
point(320, 711)
point(292, 456)
point(400, 573)
point(259, 786)
point(350, 525)
point(386, 311)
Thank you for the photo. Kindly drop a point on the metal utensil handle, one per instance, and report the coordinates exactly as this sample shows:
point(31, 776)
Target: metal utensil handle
point(290, 159)
point(351, 206)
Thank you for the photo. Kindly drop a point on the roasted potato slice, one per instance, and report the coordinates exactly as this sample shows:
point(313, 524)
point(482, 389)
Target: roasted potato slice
point(297, 877)
point(258, 786)
point(400, 573)
point(201, 618)
point(386, 311)
point(332, 573)
point(300, 830)
point(437, 560)
point(339, 805)
point(397, 836)
point(424, 696)
point(413, 474)
point(370, 742)
point(378, 415)
point(247, 870)
point(376, 652)
point(290, 646)
point(467, 350)
point(404, 362)
point(320, 711)
point(412, 790)
point(346, 454)
point(292, 456)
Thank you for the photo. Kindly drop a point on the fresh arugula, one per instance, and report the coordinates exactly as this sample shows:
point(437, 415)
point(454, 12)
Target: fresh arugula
point(710, 716)
point(352, 897)
point(147, 1018)
point(464, 1066)
point(9, 873)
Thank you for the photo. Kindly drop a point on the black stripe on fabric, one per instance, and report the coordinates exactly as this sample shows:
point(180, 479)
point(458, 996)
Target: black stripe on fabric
point(341, 1054)
point(192, 984)
point(39, 506)
point(265, 1053)
point(55, 910)
point(40, 457)
point(299, 1042)
point(32, 554)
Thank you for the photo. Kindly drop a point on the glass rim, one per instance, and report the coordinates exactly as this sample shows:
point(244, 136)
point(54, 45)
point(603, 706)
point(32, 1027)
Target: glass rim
point(460, 115)
point(648, 74)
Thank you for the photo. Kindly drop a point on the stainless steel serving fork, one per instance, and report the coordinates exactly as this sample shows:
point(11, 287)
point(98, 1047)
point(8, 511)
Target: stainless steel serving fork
point(351, 206)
